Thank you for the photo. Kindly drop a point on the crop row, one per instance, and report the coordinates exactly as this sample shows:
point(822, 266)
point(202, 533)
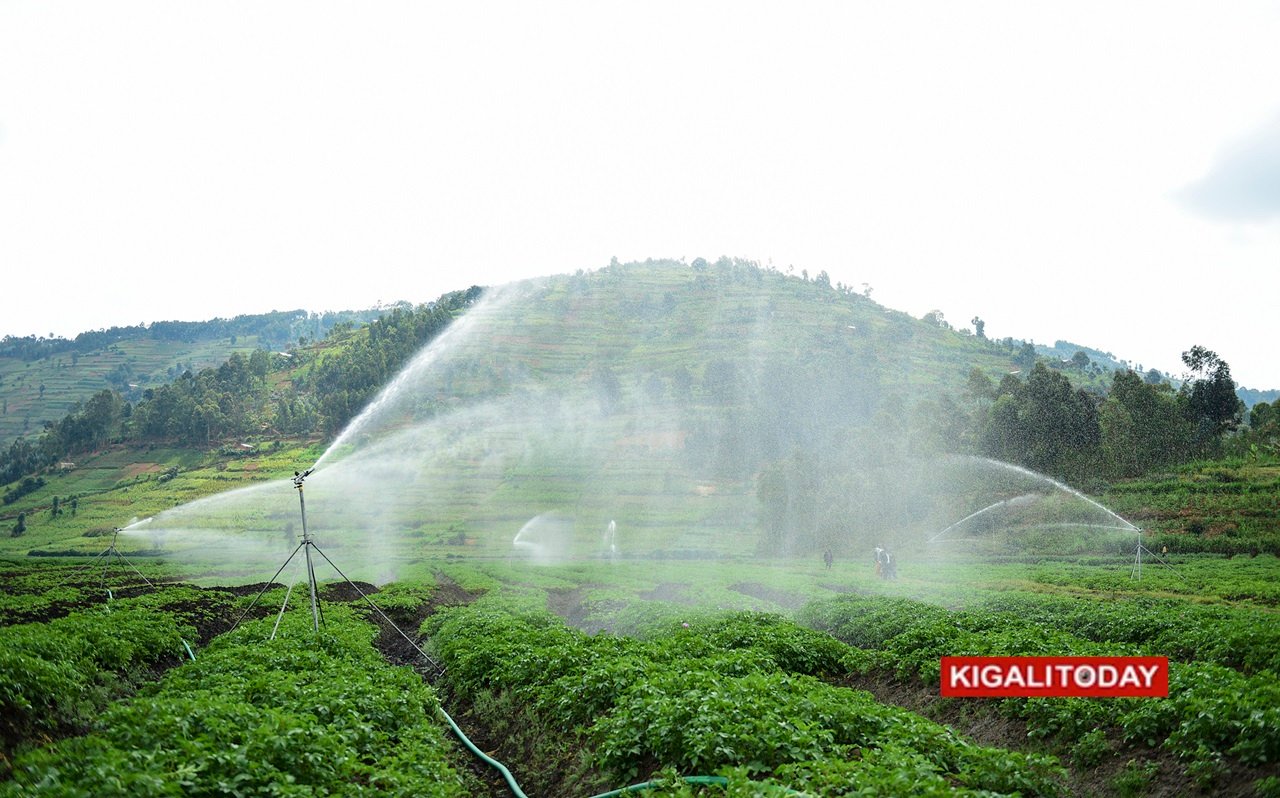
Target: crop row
point(301, 714)
point(1243, 638)
point(55, 676)
point(738, 694)
point(1213, 713)
point(37, 592)
point(1249, 579)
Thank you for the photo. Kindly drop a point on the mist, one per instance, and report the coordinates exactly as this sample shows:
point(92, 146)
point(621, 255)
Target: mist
point(596, 418)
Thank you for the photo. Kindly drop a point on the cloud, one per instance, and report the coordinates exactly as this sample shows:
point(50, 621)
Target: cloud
point(1244, 183)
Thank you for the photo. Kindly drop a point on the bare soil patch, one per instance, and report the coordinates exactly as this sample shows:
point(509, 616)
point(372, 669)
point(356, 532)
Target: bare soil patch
point(783, 598)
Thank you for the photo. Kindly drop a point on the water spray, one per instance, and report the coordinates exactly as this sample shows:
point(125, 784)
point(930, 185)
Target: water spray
point(308, 544)
point(105, 557)
point(1061, 486)
point(984, 510)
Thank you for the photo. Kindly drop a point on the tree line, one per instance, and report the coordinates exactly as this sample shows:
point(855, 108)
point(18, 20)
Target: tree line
point(1139, 424)
point(239, 398)
point(879, 474)
point(276, 329)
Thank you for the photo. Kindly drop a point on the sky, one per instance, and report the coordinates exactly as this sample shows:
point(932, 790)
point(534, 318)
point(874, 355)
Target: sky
point(1098, 172)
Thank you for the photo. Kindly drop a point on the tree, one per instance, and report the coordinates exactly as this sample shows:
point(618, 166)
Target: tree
point(1044, 424)
point(720, 380)
point(979, 327)
point(980, 387)
point(608, 389)
point(1263, 415)
point(1209, 396)
point(1026, 356)
point(1142, 426)
point(20, 527)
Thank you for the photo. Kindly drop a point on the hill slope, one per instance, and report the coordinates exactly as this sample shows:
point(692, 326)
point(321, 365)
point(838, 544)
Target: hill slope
point(651, 394)
point(703, 409)
point(42, 379)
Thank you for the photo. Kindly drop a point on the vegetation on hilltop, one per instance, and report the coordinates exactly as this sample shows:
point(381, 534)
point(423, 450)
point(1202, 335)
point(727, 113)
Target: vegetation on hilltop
point(819, 398)
point(264, 393)
point(43, 379)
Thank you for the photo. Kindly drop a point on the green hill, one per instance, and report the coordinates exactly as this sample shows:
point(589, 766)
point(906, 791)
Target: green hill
point(43, 379)
point(704, 408)
point(658, 389)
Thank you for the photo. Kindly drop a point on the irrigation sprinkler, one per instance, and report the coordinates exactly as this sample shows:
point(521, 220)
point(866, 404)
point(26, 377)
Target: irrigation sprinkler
point(306, 546)
point(104, 557)
point(1136, 571)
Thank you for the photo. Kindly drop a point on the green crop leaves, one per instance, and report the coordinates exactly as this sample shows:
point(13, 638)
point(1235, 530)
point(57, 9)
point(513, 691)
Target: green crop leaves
point(1212, 712)
point(294, 716)
point(58, 674)
point(734, 694)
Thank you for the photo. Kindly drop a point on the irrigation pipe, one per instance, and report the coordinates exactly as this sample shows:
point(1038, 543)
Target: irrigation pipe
point(457, 730)
point(719, 781)
point(648, 785)
point(498, 766)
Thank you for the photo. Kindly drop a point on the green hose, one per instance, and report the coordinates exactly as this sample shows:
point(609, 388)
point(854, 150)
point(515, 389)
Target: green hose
point(648, 785)
point(501, 768)
point(515, 788)
point(719, 781)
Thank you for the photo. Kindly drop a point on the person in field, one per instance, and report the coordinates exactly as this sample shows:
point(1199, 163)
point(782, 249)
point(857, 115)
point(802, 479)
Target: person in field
point(886, 565)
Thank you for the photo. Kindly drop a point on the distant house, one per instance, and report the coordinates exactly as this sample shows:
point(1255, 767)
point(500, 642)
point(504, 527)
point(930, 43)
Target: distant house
point(66, 465)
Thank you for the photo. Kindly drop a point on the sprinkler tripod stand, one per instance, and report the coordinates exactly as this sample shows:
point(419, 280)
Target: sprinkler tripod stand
point(1136, 571)
point(105, 557)
point(317, 617)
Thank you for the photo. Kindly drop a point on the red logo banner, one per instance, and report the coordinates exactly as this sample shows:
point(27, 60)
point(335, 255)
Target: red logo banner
point(1046, 677)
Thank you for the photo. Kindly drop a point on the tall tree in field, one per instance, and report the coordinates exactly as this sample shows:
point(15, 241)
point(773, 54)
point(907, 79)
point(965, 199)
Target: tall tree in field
point(1209, 397)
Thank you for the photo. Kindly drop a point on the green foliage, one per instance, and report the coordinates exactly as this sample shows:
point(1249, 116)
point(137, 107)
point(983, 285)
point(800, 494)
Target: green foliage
point(1045, 424)
point(1212, 712)
point(1143, 427)
point(1209, 397)
point(1134, 779)
point(297, 715)
point(1090, 749)
point(58, 674)
point(727, 692)
point(345, 381)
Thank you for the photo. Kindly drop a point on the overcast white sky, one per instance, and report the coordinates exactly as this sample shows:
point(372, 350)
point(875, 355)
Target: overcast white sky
point(1106, 173)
